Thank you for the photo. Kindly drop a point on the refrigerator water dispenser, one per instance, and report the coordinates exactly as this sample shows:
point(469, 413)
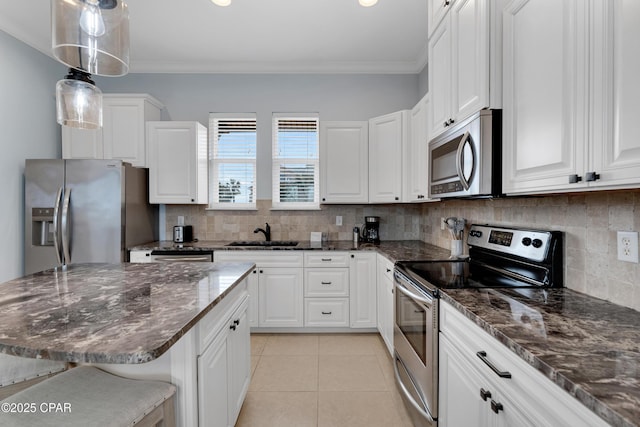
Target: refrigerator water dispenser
point(42, 226)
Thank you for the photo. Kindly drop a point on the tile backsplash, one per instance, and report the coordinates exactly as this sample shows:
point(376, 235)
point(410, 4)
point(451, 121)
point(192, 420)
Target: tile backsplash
point(590, 222)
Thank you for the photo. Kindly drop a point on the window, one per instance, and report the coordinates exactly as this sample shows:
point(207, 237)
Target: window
point(295, 161)
point(232, 161)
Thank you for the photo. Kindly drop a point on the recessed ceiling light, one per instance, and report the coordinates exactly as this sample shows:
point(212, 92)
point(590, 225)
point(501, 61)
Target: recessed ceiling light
point(223, 2)
point(367, 3)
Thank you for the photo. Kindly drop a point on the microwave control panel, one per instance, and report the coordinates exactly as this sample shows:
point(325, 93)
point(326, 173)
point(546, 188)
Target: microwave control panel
point(448, 187)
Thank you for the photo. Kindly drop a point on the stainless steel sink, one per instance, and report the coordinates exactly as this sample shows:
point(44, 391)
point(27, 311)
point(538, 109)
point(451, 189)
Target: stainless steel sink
point(288, 243)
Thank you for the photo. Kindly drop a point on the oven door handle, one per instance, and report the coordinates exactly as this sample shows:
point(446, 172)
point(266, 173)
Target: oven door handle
point(181, 258)
point(413, 296)
point(406, 392)
point(466, 139)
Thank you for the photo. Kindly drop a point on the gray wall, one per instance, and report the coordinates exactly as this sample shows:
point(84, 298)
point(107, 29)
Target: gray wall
point(335, 97)
point(423, 81)
point(29, 130)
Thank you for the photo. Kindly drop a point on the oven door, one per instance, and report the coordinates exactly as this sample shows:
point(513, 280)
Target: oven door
point(415, 341)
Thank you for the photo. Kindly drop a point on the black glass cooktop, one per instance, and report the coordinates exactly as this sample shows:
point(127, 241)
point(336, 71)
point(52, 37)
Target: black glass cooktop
point(464, 274)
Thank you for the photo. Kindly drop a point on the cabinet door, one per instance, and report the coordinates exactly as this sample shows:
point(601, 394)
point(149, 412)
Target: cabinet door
point(440, 78)
point(344, 162)
point(415, 188)
point(280, 297)
point(460, 387)
point(177, 162)
point(385, 301)
point(124, 128)
point(470, 57)
point(545, 93)
point(212, 384)
point(362, 290)
point(436, 11)
point(386, 135)
point(254, 307)
point(239, 362)
point(616, 146)
point(81, 143)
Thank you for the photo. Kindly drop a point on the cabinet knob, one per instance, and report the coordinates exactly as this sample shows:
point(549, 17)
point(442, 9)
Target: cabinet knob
point(193, 200)
point(446, 124)
point(574, 179)
point(232, 327)
point(353, 256)
point(496, 406)
point(451, 121)
point(324, 200)
point(255, 271)
point(261, 271)
point(591, 176)
point(236, 322)
point(397, 198)
point(446, 3)
point(485, 394)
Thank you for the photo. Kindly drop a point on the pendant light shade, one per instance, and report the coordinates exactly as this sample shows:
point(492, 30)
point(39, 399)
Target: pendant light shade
point(78, 101)
point(91, 35)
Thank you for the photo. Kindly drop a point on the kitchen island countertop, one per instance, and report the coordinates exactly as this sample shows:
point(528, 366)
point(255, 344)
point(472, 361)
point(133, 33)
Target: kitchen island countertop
point(110, 313)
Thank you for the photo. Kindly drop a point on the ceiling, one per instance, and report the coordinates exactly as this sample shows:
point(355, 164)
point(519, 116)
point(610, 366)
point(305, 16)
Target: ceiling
point(255, 36)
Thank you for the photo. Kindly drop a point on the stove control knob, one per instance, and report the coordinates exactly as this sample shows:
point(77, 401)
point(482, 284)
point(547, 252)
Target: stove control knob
point(526, 241)
point(536, 243)
point(475, 233)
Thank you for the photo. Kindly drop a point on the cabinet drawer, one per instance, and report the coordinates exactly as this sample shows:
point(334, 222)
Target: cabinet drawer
point(326, 259)
point(265, 258)
point(326, 282)
point(326, 312)
point(140, 256)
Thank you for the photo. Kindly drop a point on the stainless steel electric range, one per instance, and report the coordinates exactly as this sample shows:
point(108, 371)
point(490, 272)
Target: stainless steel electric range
point(499, 257)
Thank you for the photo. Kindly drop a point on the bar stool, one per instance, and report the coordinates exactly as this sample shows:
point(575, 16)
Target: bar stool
point(87, 396)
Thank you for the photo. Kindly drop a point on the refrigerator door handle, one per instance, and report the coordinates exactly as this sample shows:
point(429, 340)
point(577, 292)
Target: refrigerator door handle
point(56, 226)
point(66, 244)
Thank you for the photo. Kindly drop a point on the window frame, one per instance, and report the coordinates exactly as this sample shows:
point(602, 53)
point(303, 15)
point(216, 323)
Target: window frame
point(214, 164)
point(276, 162)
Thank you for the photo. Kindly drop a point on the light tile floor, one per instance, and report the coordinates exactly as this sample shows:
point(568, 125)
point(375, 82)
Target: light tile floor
point(322, 380)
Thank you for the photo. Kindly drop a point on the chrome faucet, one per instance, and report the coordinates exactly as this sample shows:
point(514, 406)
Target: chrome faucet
point(266, 231)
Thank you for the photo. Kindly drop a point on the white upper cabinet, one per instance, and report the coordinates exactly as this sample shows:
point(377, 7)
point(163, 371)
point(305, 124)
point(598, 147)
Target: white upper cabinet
point(615, 155)
point(177, 162)
point(465, 62)
point(344, 162)
point(386, 139)
point(414, 185)
point(123, 132)
point(570, 115)
point(545, 91)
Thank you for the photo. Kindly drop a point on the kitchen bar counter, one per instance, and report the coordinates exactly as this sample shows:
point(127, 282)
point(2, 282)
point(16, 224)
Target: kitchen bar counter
point(110, 313)
point(587, 346)
point(395, 250)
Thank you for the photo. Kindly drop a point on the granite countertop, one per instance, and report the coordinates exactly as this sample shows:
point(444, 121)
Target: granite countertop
point(587, 346)
point(395, 250)
point(110, 313)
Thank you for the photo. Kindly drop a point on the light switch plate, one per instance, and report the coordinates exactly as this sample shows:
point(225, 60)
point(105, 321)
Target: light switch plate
point(339, 220)
point(180, 220)
point(628, 246)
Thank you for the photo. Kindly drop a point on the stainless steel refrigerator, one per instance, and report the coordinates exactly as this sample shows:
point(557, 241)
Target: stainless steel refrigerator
point(80, 211)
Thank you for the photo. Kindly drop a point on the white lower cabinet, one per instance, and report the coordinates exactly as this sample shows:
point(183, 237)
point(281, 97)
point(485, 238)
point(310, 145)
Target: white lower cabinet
point(275, 286)
point(385, 300)
point(326, 312)
point(280, 297)
point(223, 371)
point(523, 398)
point(362, 290)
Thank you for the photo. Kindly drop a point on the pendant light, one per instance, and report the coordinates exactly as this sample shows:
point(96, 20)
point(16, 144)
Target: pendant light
point(367, 3)
point(91, 35)
point(78, 101)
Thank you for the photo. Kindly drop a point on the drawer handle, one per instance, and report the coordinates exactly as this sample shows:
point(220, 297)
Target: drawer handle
point(496, 406)
point(326, 312)
point(326, 259)
point(485, 394)
point(326, 283)
point(502, 374)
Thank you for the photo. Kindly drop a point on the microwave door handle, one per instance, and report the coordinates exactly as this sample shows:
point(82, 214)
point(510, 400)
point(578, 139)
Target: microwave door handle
point(56, 226)
point(460, 160)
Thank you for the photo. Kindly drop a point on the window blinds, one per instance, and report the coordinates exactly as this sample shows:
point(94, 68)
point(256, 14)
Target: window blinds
point(295, 161)
point(233, 161)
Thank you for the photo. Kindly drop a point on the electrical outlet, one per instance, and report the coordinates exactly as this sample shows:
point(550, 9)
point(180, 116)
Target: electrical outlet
point(180, 220)
point(628, 246)
point(338, 220)
point(442, 223)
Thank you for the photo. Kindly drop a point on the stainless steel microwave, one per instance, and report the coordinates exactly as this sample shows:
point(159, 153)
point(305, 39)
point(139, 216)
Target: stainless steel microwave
point(466, 160)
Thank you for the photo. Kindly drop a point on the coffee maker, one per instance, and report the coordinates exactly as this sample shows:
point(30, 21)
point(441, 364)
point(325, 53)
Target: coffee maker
point(371, 230)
